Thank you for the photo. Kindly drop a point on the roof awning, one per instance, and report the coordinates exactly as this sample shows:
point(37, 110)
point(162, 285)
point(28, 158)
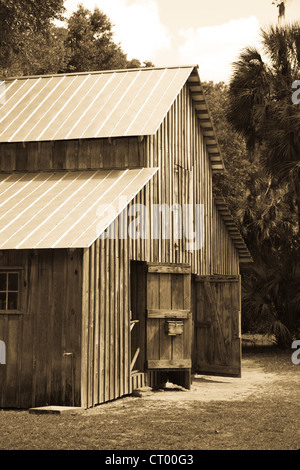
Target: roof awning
point(64, 209)
point(234, 233)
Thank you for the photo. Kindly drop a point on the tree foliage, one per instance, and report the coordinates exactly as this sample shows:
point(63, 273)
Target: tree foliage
point(258, 127)
point(234, 182)
point(263, 204)
point(31, 44)
point(23, 23)
point(261, 108)
point(90, 44)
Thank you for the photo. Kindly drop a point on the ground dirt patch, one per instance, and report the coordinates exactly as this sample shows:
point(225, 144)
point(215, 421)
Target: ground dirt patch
point(259, 411)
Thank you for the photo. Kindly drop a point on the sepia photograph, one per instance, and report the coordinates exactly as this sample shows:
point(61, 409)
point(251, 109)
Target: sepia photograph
point(149, 228)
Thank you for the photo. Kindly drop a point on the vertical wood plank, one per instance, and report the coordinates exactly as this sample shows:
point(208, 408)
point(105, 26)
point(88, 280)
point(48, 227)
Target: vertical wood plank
point(85, 328)
point(97, 322)
point(165, 302)
point(102, 322)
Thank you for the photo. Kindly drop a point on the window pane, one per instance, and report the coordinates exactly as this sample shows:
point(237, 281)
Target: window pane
point(2, 281)
point(13, 281)
point(2, 301)
point(12, 301)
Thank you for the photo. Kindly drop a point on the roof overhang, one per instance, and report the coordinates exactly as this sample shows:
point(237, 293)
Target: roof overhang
point(206, 121)
point(234, 233)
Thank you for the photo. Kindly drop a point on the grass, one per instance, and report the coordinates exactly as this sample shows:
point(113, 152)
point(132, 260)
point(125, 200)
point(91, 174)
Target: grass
point(270, 421)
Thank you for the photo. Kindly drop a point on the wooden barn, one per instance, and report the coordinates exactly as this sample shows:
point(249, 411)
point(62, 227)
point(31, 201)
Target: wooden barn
point(118, 267)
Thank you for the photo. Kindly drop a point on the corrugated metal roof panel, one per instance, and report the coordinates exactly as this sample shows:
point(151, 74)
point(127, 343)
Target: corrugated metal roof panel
point(64, 209)
point(103, 104)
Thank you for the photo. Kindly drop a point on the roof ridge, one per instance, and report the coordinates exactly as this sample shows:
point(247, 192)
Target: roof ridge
point(95, 72)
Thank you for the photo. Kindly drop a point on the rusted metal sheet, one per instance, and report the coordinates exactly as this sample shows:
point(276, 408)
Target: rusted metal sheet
point(89, 105)
point(64, 209)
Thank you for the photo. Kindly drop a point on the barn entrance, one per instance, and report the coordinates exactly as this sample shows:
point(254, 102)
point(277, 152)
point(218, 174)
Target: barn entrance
point(161, 314)
point(183, 324)
point(217, 328)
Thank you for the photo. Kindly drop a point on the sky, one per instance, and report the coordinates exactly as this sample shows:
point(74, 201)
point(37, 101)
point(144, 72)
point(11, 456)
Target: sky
point(207, 33)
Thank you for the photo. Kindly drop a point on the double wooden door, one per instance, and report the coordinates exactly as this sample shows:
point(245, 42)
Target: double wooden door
point(185, 324)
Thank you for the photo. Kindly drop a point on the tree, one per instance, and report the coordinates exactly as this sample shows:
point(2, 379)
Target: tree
point(30, 43)
point(23, 24)
point(261, 109)
point(234, 181)
point(264, 212)
point(43, 53)
point(262, 112)
point(90, 45)
point(89, 42)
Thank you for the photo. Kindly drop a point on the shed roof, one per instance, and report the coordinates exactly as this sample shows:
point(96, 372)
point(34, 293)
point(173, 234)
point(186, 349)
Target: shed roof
point(234, 233)
point(118, 103)
point(64, 209)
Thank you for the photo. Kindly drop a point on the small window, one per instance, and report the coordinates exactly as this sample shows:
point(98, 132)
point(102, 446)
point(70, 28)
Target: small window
point(10, 282)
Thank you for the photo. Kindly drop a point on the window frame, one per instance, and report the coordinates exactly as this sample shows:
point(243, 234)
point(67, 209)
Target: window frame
point(18, 270)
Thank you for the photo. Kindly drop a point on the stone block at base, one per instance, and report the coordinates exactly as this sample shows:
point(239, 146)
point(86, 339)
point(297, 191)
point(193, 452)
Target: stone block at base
point(58, 410)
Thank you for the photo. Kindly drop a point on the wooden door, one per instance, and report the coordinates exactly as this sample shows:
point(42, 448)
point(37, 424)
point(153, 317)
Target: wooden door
point(217, 330)
point(168, 316)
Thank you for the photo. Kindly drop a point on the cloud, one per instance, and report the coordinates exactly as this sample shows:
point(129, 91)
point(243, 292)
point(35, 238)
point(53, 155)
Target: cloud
point(137, 26)
point(214, 48)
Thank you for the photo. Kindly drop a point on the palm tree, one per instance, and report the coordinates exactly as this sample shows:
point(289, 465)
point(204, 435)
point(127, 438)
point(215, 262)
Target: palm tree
point(261, 108)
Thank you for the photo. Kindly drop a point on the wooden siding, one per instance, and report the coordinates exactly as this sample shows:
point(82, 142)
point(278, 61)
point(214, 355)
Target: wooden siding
point(105, 321)
point(185, 177)
point(37, 370)
point(126, 152)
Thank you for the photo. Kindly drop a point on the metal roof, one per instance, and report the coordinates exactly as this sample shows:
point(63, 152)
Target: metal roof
point(118, 103)
point(104, 104)
point(64, 209)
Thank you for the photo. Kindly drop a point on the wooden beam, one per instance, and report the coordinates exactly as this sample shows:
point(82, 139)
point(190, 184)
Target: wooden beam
point(160, 313)
point(137, 352)
point(168, 269)
point(217, 278)
point(169, 364)
point(133, 323)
